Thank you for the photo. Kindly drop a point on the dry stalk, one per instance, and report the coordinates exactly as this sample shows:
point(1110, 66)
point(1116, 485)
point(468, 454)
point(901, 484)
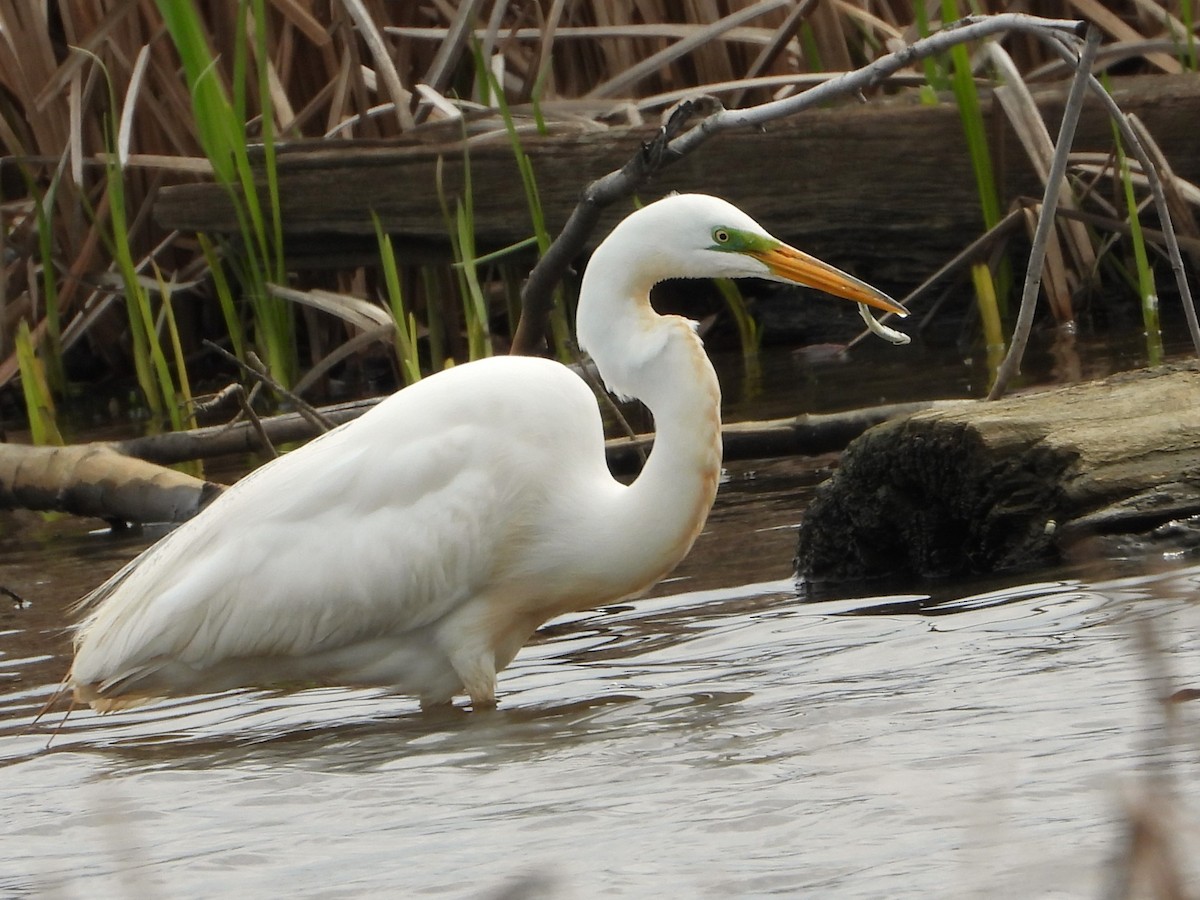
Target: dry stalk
point(1037, 254)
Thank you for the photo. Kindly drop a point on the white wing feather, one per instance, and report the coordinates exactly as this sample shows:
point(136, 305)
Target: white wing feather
point(380, 527)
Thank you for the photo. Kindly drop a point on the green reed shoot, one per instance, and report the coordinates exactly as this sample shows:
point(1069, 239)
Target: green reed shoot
point(183, 397)
point(935, 72)
point(233, 322)
point(273, 315)
point(989, 314)
point(52, 341)
point(406, 322)
point(560, 329)
point(461, 227)
point(808, 44)
point(156, 391)
point(220, 125)
point(39, 402)
point(749, 333)
point(1187, 49)
point(991, 290)
point(439, 357)
point(150, 363)
point(1147, 291)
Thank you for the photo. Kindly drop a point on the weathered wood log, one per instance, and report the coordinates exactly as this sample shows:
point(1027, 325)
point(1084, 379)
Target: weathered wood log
point(827, 168)
point(96, 480)
point(124, 481)
point(808, 434)
point(212, 441)
point(791, 436)
point(1014, 483)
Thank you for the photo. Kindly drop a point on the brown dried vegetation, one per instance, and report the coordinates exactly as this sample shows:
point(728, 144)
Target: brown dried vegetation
point(341, 70)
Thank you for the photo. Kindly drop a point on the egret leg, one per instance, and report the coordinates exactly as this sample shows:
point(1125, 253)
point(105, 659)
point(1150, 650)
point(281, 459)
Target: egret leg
point(478, 674)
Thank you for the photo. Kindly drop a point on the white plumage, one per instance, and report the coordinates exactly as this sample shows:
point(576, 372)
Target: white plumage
point(421, 545)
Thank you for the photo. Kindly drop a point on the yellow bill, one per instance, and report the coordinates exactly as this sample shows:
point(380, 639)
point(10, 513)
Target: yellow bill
point(793, 265)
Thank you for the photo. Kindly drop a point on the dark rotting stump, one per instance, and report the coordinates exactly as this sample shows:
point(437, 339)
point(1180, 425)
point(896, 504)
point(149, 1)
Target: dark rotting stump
point(1105, 467)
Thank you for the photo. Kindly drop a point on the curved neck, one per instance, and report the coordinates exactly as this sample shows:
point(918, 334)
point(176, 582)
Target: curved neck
point(668, 503)
point(659, 360)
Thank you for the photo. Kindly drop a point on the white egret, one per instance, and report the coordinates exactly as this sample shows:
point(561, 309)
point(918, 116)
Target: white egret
point(421, 545)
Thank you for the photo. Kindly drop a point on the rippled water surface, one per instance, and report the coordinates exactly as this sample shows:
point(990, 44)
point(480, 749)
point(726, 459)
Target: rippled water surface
point(734, 734)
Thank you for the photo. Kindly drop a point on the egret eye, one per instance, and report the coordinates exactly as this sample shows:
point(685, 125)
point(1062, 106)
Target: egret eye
point(721, 236)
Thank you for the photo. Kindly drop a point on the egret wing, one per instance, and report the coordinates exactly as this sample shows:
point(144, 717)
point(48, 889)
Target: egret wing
point(379, 527)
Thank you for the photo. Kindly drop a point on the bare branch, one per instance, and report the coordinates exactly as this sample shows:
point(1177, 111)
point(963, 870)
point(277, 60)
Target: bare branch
point(673, 144)
point(1037, 255)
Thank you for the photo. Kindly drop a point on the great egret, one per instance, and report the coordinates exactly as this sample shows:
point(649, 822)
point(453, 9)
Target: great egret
point(421, 545)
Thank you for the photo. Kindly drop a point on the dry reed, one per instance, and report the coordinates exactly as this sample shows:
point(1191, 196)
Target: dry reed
point(342, 70)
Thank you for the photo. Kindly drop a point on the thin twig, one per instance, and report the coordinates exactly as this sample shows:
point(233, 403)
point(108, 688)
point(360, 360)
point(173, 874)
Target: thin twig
point(259, 371)
point(255, 422)
point(1041, 236)
point(215, 401)
point(310, 413)
point(851, 83)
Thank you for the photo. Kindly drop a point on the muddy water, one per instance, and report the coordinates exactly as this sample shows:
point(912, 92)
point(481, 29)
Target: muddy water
point(734, 734)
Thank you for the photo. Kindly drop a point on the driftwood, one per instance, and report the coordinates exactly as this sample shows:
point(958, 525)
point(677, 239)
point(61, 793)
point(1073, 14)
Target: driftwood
point(808, 434)
point(126, 480)
point(1014, 483)
point(827, 167)
point(97, 480)
point(240, 437)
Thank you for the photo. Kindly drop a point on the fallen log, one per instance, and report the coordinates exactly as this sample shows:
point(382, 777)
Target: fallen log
point(96, 480)
point(808, 434)
point(1015, 483)
point(833, 159)
point(211, 441)
point(125, 481)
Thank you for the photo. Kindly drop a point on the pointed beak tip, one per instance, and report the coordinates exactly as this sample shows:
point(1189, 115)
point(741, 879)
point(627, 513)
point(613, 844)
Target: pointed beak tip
point(791, 265)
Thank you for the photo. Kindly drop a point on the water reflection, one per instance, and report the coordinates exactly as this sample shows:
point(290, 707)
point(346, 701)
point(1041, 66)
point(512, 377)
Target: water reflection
point(894, 745)
point(735, 734)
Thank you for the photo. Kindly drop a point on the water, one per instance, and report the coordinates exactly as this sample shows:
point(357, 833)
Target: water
point(734, 734)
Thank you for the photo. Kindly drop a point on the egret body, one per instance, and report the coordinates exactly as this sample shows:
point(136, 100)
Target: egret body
point(421, 545)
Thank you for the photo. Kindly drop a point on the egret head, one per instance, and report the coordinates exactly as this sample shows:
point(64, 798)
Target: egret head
point(695, 235)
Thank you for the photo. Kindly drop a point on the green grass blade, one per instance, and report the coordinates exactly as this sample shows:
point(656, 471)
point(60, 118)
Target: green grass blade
point(559, 327)
point(1146, 288)
point(220, 125)
point(474, 302)
point(748, 332)
point(233, 322)
point(39, 403)
point(438, 356)
point(406, 323)
point(182, 410)
point(962, 83)
point(52, 344)
point(935, 73)
point(461, 229)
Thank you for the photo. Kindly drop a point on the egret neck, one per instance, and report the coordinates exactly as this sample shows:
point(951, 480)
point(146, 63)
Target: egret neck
point(660, 361)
